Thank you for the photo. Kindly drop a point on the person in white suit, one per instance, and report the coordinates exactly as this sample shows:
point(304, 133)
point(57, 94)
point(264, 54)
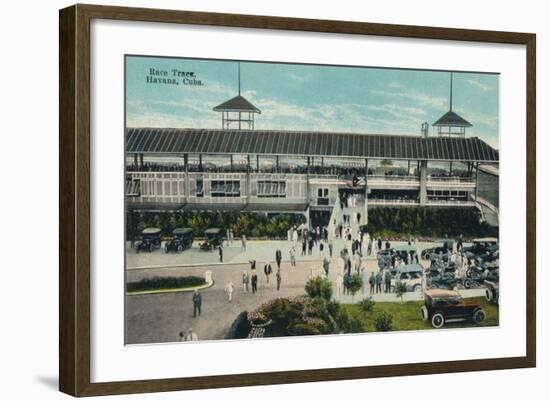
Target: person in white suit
point(339, 284)
point(229, 291)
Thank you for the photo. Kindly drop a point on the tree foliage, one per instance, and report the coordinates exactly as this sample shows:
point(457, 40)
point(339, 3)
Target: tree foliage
point(319, 287)
point(354, 284)
point(248, 224)
point(400, 290)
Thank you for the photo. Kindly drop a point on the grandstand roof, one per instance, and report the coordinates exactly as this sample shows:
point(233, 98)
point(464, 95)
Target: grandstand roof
point(307, 143)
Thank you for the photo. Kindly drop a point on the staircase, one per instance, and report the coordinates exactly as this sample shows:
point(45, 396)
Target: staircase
point(337, 216)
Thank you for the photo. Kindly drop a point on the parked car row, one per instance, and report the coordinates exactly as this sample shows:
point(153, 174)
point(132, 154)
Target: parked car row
point(180, 240)
point(482, 269)
point(478, 248)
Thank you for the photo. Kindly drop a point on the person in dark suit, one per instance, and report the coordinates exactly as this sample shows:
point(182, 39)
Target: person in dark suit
point(372, 282)
point(220, 252)
point(267, 271)
point(379, 283)
point(278, 277)
point(278, 257)
point(254, 282)
point(459, 245)
point(197, 303)
point(387, 280)
point(326, 265)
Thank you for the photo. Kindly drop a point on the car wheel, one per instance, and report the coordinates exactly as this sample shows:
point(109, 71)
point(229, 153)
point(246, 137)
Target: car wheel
point(467, 284)
point(424, 311)
point(489, 294)
point(166, 248)
point(479, 316)
point(180, 248)
point(438, 320)
point(417, 288)
point(151, 248)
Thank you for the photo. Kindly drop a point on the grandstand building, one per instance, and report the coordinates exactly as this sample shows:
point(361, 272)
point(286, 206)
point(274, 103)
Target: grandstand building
point(240, 168)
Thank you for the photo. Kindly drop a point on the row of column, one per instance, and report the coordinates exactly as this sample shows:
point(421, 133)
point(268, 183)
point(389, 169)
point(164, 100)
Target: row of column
point(422, 165)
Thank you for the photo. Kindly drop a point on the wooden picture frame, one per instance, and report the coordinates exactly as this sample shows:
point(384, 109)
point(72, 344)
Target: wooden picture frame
point(74, 199)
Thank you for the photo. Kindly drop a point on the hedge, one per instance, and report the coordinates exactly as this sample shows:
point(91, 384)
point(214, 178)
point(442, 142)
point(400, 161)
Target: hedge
point(393, 222)
point(164, 283)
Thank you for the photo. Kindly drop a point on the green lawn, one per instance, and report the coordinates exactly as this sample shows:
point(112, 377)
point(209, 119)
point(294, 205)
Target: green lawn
point(407, 315)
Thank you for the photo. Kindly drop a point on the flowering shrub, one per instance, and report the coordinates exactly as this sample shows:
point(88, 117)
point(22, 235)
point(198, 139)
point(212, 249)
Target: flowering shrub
point(256, 316)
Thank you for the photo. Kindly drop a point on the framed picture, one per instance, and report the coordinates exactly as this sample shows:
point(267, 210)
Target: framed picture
point(250, 200)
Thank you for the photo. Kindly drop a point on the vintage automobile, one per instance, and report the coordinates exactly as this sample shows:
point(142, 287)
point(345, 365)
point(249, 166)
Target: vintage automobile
point(182, 239)
point(481, 246)
point(410, 275)
point(490, 256)
point(150, 240)
point(476, 275)
point(491, 291)
point(444, 249)
point(386, 257)
point(404, 251)
point(445, 280)
point(446, 306)
point(214, 239)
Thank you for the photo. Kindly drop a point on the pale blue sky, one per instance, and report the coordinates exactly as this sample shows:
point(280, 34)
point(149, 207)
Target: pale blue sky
point(312, 97)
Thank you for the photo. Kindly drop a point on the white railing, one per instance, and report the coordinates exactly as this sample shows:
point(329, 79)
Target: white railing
point(452, 179)
point(219, 176)
point(385, 202)
point(450, 203)
point(217, 200)
point(409, 178)
point(412, 202)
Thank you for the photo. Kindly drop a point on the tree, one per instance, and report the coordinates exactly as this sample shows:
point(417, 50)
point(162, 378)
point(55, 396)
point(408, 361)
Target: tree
point(319, 287)
point(400, 290)
point(355, 284)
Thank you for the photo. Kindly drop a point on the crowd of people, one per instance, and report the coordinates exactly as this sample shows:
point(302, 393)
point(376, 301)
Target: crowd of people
point(341, 249)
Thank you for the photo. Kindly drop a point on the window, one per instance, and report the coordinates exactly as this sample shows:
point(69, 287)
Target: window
point(322, 193)
point(199, 189)
point(225, 188)
point(448, 195)
point(133, 187)
point(271, 189)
